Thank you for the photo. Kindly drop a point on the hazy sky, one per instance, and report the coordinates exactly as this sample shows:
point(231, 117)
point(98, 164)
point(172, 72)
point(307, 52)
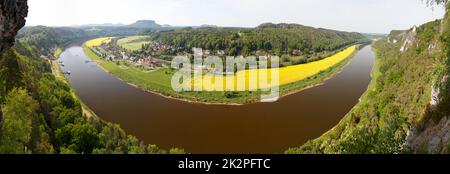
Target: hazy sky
point(375, 16)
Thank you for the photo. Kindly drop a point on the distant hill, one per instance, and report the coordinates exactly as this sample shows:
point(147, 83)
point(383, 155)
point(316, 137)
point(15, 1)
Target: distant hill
point(281, 25)
point(141, 24)
point(374, 36)
point(145, 24)
point(103, 25)
point(46, 39)
point(208, 26)
point(277, 38)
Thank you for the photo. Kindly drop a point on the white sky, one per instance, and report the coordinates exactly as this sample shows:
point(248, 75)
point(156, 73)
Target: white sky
point(372, 16)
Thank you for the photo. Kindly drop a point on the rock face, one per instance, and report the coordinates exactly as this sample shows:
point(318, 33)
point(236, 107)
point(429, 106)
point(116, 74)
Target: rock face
point(12, 19)
point(410, 39)
point(435, 138)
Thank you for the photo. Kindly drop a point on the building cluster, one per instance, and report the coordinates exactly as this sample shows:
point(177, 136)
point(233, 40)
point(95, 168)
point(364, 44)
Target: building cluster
point(114, 53)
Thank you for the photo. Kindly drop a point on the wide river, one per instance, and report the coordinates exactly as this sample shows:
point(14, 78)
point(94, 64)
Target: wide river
point(199, 128)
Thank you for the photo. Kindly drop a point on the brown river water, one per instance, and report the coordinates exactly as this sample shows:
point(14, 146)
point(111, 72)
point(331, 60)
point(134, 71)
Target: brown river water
point(199, 128)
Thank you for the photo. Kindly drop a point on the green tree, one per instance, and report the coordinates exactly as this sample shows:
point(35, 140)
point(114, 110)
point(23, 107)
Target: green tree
point(85, 138)
point(80, 138)
point(10, 74)
point(18, 113)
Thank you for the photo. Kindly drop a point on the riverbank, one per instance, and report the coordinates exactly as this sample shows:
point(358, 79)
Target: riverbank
point(310, 146)
point(159, 82)
point(59, 75)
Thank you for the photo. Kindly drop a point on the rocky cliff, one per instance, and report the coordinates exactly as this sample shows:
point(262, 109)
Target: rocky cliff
point(406, 108)
point(12, 19)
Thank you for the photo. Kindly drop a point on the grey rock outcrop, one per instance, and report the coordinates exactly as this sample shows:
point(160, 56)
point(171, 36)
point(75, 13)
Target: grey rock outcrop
point(12, 19)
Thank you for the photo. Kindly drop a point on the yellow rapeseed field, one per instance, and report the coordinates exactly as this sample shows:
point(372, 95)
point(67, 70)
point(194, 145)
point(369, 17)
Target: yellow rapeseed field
point(98, 41)
point(287, 75)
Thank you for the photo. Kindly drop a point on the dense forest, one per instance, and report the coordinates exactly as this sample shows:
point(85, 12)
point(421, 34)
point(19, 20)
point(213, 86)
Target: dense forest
point(41, 114)
point(278, 39)
point(46, 40)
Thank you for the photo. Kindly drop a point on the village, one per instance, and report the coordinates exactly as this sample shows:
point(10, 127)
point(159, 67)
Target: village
point(150, 57)
point(147, 59)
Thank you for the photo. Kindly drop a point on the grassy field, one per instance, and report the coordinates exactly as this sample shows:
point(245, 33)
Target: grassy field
point(159, 81)
point(133, 43)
